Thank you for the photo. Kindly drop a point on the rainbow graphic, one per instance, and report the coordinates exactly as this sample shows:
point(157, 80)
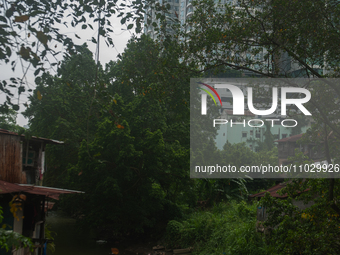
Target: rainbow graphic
point(208, 92)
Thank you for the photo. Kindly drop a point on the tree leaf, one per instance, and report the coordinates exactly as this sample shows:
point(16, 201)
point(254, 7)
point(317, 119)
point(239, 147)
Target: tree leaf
point(25, 52)
point(9, 12)
point(3, 19)
point(8, 51)
point(39, 95)
point(42, 37)
point(21, 89)
point(36, 72)
point(21, 18)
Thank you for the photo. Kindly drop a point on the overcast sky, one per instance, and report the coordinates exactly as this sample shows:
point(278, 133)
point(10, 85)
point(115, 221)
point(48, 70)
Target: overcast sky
point(120, 38)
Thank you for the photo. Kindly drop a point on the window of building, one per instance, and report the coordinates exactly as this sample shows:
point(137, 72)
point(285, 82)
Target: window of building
point(227, 99)
point(284, 136)
point(251, 133)
point(258, 135)
point(244, 134)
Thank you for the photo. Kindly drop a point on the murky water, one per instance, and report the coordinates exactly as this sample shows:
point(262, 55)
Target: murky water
point(72, 241)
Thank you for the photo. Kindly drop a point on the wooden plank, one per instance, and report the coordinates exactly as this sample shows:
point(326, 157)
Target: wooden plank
point(158, 247)
point(183, 251)
point(10, 159)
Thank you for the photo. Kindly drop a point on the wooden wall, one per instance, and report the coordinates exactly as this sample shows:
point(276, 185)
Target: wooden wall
point(11, 159)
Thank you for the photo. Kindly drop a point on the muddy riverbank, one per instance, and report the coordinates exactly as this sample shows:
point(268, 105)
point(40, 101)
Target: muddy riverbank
point(71, 240)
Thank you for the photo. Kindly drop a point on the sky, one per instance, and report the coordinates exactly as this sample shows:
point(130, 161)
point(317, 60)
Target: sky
point(120, 38)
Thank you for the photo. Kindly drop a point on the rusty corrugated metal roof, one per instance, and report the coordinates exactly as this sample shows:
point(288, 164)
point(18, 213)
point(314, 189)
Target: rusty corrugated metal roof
point(292, 138)
point(7, 187)
point(272, 191)
point(34, 138)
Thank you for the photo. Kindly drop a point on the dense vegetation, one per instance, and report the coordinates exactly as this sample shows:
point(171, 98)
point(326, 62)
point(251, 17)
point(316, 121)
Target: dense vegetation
point(126, 133)
point(126, 125)
point(228, 228)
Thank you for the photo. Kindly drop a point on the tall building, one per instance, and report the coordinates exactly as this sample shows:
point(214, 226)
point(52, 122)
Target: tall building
point(255, 133)
point(181, 11)
point(251, 136)
point(176, 12)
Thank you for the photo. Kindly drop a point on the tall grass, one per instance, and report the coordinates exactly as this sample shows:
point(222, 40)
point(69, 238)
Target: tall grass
point(228, 228)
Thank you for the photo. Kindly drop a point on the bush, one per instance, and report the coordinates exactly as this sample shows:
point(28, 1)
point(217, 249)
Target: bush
point(228, 228)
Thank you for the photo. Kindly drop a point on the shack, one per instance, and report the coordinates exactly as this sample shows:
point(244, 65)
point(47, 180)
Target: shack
point(262, 214)
point(22, 198)
point(286, 148)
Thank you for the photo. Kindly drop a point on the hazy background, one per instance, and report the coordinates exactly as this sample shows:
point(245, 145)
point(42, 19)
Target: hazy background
point(120, 37)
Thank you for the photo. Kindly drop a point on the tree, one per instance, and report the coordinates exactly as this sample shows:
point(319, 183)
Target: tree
point(268, 142)
point(266, 39)
point(66, 107)
point(282, 39)
point(8, 121)
point(31, 30)
point(294, 228)
point(135, 170)
point(238, 35)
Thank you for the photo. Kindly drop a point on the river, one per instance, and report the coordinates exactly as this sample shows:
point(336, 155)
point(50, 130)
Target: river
point(72, 241)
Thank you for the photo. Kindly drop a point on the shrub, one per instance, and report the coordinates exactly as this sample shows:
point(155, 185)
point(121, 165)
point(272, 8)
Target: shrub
point(228, 228)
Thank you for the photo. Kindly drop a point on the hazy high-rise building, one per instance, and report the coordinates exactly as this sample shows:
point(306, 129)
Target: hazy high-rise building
point(180, 10)
point(176, 12)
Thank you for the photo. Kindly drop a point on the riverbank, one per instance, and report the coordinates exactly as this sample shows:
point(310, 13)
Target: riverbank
point(70, 240)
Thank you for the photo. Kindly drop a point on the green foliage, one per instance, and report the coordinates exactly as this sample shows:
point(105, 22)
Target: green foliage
point(257, 36)
point(267, 156)
point(268, 143)
point(134, 169)
point(238, 153)
point(49, 234)
point(66, 108)
point(216, 190)
point(294, 228)
point(302, 122)
point(8, 121)
point(282, 39)
point(30, 30)
point(173, 232)
point(228, 228)
point(9, 238)
point(222, 72)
